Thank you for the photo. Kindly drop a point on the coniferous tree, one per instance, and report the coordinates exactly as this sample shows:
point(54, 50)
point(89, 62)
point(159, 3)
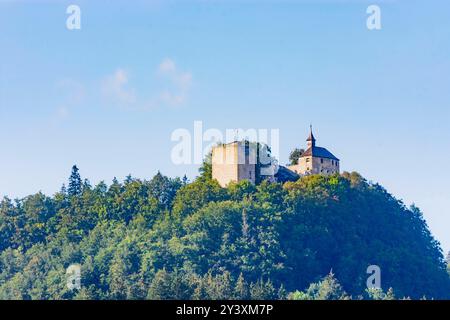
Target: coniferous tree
point(328, 288)
point(262, 290)
point(241, 291)
point(215, 243)
point(282, 293)
point(75, 183)
point(201, 291)
point(63, 190)
point(86, 185)
point(160, 287)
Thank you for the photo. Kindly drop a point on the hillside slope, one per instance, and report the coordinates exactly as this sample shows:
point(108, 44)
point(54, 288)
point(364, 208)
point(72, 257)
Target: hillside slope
point(166, 238)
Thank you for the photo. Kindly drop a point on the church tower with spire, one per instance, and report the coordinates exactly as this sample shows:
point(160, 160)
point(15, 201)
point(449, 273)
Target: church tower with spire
point(311, 141)
point(315, 160)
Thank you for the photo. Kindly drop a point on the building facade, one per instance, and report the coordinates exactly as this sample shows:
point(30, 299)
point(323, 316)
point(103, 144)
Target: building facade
point(234, 161)
point(315, 160)
point(238, 160)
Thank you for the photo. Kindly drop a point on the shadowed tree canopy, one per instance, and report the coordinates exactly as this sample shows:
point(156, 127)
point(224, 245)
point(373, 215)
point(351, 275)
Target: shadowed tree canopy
point(165, 238)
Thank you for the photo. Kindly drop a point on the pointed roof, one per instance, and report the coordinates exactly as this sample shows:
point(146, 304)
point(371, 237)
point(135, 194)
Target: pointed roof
point(316, 151)
point(311, 136)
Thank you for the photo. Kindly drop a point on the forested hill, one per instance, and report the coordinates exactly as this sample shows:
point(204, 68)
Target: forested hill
point(169, 239)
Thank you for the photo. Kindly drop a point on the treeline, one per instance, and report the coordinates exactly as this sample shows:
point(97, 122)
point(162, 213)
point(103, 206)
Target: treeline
point(173, 239)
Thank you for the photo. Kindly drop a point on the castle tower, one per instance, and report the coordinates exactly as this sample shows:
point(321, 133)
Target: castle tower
point(315, 160)
point(234, 161)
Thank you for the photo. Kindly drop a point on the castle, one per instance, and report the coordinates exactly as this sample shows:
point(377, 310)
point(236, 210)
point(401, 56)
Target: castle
point(242, 160)
point(315, 160)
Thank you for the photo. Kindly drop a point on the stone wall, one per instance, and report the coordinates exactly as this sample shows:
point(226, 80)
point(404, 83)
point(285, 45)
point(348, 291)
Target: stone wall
point(303, 167)
point(315, 165)
point(231, 162)
point(325, 166)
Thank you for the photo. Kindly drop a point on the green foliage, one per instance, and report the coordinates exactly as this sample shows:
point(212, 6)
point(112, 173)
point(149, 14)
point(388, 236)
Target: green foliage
point(196, 195)
point(241, 290)
point(169, 239)
point(379, 294)
point(448, 263)
point(295, 155)
point(239, 191)
point(206, 168)
point(262, 290)
point(75, 185)
point(328, 288)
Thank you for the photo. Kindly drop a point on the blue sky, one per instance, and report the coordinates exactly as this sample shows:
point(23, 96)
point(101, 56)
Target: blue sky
point(107, 97)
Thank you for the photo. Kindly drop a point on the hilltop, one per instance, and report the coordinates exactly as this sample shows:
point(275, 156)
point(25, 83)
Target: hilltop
point(170, 238)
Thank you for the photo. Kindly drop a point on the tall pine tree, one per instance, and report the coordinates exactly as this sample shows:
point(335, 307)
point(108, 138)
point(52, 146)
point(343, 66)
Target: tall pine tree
point(75, 184)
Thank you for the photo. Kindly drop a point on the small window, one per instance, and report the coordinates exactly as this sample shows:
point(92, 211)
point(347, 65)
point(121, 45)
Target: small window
point(321, 160)
point(307, 159)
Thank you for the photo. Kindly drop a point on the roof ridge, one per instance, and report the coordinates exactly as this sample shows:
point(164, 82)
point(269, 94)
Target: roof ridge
point(320, 152)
